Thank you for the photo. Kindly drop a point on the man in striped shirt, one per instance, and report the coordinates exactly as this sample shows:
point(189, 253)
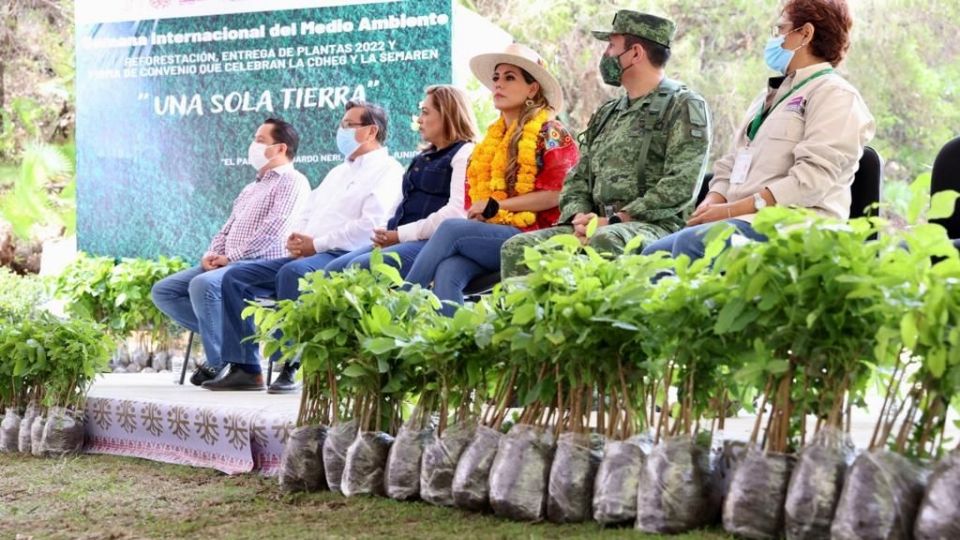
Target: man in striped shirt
point(257, 229)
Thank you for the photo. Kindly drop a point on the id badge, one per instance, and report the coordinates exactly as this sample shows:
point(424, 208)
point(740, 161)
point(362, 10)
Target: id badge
point(741, 167)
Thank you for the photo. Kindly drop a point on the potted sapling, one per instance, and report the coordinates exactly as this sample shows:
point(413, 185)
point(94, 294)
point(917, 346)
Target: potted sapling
point(808, 298)
point(381, 381)
point(471, 478)
point(452, 386)
point(884, 493)
point(77, 351)
point(677, 483)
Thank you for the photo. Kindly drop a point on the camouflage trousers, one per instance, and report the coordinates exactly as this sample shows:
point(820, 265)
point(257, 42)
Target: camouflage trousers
point(609, 239)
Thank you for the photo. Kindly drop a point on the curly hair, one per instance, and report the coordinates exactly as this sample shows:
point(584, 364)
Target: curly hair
point(832, 21)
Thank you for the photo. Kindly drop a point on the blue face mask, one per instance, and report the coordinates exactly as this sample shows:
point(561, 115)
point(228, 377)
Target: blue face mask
point(776, 56)
point(347, 141)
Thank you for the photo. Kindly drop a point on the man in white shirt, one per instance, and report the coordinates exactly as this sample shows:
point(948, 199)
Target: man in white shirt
point(356, 197)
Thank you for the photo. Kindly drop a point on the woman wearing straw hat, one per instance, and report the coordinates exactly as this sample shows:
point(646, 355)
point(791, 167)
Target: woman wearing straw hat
point(513, 179)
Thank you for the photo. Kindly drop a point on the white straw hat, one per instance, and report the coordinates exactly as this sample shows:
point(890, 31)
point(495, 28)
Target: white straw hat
point(525, 58)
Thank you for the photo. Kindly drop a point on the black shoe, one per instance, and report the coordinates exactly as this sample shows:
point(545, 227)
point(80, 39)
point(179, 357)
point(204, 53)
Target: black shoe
point(202, 374)
point(285, 382)
point(234, 378)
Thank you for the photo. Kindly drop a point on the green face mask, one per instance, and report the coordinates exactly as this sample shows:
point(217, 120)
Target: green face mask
point(611, 70)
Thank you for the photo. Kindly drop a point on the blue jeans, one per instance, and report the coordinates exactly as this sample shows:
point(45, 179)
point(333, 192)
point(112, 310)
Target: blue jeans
point(192, 298)
point(459, 251)
point(361, 257)
point(690, 241)
point(277, 278)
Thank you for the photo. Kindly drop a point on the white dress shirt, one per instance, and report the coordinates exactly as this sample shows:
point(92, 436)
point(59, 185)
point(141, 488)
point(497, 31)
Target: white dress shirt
point(353, 199)
point(424, 228)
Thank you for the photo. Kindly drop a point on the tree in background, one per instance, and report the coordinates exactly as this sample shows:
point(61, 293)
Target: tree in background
point(37, 157)
point(36, 74)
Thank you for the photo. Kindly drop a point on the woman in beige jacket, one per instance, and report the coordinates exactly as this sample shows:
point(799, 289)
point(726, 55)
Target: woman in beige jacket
point(802, 138)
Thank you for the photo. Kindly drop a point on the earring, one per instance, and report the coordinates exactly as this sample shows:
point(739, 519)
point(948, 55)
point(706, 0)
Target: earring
point(529, 103)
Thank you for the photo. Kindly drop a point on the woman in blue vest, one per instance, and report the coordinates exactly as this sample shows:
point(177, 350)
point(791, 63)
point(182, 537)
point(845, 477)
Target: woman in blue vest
point(433, 186)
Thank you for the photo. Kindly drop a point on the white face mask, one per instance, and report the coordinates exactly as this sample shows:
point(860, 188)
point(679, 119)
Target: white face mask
point(256, 155)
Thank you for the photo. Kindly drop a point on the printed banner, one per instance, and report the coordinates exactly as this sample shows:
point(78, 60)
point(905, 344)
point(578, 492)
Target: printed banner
point(170, 93)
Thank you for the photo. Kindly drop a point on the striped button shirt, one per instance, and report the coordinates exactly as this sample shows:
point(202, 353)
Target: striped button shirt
point(262, 216)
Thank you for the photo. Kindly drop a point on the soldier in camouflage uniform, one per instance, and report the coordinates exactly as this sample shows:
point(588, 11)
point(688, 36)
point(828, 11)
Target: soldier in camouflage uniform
point(642, 156)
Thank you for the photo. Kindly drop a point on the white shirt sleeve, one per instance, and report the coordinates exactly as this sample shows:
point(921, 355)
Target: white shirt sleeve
point(424, 228)
point(306, 211)
point(375, 209)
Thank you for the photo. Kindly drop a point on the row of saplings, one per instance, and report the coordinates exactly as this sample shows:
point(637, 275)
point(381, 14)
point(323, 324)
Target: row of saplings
point(47, 364)
point(598, 389)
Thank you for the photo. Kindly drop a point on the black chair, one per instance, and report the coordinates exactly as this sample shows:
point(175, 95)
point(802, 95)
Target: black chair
point(946, 175)
point(186, 359)
point(864, 192)
point(867, 185)
point(480, 286)
point(704, 188)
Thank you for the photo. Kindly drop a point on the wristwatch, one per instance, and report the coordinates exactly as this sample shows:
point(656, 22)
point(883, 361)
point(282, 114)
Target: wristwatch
point(759, 203)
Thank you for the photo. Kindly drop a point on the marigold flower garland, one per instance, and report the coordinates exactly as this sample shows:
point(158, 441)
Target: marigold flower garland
point(486, 174)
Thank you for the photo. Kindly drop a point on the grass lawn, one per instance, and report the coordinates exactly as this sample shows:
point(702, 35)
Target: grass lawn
point(117, 498)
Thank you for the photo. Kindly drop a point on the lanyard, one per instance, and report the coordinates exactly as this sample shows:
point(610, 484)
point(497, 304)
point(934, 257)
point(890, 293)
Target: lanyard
point(762, 116)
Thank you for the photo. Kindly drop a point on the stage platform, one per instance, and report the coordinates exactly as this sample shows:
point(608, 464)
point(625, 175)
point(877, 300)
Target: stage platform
point(147, 415)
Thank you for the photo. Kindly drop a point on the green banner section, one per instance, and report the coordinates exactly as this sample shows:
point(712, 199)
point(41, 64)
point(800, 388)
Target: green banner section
point(167, 108)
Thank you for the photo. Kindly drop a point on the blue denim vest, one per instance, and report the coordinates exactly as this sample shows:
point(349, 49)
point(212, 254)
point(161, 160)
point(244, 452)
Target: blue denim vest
point(426, 185)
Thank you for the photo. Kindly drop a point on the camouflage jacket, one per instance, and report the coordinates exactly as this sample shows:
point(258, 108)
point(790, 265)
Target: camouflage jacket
point(656, 184)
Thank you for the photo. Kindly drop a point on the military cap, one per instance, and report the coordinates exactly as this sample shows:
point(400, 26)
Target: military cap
point(644, 25)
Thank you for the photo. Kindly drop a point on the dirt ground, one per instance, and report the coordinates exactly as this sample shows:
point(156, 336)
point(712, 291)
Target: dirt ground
point(105, 497)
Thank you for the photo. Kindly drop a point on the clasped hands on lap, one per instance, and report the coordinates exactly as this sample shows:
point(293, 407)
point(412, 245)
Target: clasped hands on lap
point(212, 262)
point(716, 208)
point(300, 245)
point(713, 208)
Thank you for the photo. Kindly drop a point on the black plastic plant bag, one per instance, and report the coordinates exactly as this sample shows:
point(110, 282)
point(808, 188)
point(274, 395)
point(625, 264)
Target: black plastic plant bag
point(10, 431)
point(726, 455)
point(675, 492)
point(816, 483)
point(520, 472)
point(880, 498)
point(24, 442)
point(471, 480)
point(339, 438)
point(615, 487)
point(64, 432)
point(939, 515)
point(754, 504)
point(402, 473)
point(36, 435)
point(363, 470)
point(572, 474)
point(439, 463)
point(301, 465)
